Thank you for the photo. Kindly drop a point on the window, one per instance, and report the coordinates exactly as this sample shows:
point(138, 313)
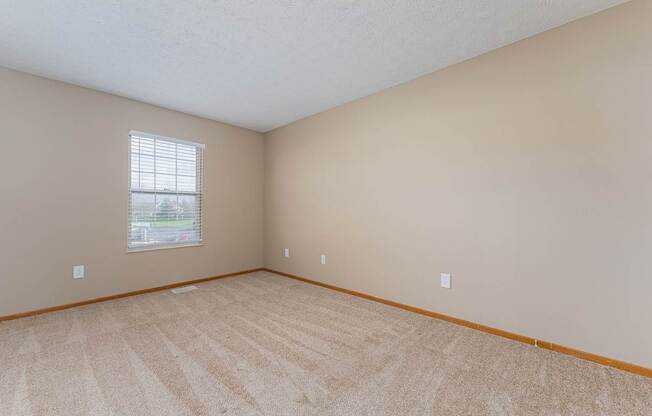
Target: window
point(165, 192)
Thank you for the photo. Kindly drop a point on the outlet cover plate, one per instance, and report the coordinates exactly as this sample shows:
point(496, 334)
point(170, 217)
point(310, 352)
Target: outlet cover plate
point(445, 280)
point(78, 272)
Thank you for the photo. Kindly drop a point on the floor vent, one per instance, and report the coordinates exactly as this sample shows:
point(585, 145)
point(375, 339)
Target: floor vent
point(184, 289)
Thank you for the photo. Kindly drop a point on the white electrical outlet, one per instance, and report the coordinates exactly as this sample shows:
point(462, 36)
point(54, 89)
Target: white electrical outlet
point(445, 280)
point(323, 259)
point(286, 252)
point(78, 272)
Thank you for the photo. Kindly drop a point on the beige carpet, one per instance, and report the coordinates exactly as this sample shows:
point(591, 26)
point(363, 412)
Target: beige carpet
point(262, 344)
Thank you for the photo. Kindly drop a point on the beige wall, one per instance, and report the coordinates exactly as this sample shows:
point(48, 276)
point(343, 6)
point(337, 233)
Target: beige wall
point(526, 173)
point(63, 190)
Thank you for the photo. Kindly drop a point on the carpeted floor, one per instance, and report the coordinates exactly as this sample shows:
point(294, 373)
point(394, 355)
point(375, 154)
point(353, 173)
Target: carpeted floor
point(262, 344)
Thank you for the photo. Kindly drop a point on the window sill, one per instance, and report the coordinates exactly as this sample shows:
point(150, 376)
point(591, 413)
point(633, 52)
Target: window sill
point(162, 247)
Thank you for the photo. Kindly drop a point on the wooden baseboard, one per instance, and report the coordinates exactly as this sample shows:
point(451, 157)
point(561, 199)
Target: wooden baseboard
point(632, 368)
point(610, 362)
point(621, 365)
point(122, 295)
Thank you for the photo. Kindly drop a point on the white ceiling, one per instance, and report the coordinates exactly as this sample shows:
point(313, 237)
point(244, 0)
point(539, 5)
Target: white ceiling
point(261, 64)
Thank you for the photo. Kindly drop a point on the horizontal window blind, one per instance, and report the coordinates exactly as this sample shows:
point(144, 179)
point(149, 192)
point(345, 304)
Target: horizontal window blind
point(165, 191)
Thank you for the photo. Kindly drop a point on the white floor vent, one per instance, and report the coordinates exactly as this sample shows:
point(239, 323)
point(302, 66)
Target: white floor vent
point(184, 289)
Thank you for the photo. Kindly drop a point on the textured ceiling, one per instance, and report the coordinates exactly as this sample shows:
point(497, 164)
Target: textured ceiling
point(261, 64)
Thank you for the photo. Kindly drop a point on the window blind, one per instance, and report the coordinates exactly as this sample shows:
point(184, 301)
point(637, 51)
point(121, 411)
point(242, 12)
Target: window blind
point(165, 191)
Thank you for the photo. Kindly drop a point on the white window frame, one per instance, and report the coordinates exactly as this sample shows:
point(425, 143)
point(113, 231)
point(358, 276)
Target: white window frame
point(200, 193)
